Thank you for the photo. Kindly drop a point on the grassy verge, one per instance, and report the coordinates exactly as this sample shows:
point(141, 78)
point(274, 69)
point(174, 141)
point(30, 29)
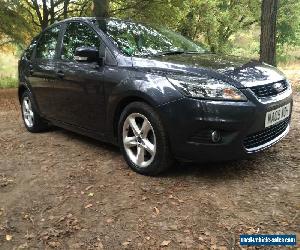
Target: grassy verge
point(8, 70)
point(8, 82)
point(292, 71)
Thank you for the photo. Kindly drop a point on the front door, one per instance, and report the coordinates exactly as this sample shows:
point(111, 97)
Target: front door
point(43, 70)
point(78, 93)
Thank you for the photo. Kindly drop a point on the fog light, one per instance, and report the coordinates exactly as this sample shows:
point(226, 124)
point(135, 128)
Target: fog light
point(216, 136)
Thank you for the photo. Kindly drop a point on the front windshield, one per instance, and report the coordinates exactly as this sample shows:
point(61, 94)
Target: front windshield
point(139, 40)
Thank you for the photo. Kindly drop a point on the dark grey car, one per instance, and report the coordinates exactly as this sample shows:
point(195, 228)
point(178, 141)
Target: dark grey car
point(156, 94)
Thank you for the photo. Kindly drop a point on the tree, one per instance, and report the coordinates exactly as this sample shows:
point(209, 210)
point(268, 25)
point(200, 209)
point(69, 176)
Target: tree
point(23, 19)
point(288, 26)
point(269, 11)
point(217, 21)
point(101, 8)
point(14, 27)
point(45, 12)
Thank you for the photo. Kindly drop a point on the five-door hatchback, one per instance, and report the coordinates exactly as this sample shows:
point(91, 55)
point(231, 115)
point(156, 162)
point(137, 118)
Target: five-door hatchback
point(156, 94)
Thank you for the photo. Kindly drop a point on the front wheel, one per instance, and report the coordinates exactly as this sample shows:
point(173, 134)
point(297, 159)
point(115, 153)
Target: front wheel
point(143, 140)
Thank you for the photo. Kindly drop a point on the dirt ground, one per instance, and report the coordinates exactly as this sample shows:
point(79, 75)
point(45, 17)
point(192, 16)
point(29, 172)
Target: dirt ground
point(65, 191)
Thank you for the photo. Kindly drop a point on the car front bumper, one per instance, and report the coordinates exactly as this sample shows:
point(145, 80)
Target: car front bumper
point(190, 123)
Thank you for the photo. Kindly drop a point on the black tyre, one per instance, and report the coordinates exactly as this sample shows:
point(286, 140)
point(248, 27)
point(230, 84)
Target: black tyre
point(33, 122)
point(143, 140)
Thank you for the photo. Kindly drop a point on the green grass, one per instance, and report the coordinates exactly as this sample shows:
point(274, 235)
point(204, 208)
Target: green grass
point(8, 70)
point(8, 65)
point(8, 82)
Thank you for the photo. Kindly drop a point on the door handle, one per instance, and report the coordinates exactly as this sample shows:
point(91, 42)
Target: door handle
point(31, 71)
point(60, 74)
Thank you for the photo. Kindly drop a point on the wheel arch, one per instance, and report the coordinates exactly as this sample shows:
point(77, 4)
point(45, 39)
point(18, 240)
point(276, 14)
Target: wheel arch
point(122, 104)
point(22, 88)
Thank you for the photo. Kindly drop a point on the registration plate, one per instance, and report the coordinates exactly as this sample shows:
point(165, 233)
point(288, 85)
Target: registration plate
point(277, 115)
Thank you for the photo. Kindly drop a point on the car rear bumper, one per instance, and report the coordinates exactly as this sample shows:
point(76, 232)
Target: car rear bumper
point(241, 125)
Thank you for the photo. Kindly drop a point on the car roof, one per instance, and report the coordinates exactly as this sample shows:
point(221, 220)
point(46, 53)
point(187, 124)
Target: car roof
point(92, 19)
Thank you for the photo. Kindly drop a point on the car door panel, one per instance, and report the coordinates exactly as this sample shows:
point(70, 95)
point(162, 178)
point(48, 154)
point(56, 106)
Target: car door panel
point(78, 92)
point(41, 79)
point(79, 95)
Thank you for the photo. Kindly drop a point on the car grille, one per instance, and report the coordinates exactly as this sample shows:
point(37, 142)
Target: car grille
point(267, 135)
point(269, 89)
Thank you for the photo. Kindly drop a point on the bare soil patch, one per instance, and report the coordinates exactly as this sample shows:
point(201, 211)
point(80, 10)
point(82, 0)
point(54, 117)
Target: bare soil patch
point(65, 191)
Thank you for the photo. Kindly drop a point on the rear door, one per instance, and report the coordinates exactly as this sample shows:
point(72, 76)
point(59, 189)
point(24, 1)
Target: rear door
point(78, 93)
point(43, 69)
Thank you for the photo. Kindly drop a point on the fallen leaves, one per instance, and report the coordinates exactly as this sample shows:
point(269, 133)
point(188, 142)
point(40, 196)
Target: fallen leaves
point(88, 188)
point(59, 228)
point(203, 205)
point(29, 236)
point(165, 243)
point(8, 237)
point(88, 206)
point(4, 181)
point(54, 244)
point(125, 244)
point(23, 246)
point(26, 216)
point(156, 210)
point(110, 220)
point(171, 197)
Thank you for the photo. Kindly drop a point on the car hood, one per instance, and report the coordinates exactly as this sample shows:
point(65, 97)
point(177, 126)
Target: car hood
point(238, 71)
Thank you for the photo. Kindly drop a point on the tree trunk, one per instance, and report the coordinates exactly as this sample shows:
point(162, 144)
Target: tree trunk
point(101, 8)
point(66, 5)
point(45, 22)
point(269, 11)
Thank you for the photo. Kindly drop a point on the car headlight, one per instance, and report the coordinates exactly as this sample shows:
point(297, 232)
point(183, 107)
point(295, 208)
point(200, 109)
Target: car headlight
point(207, 88)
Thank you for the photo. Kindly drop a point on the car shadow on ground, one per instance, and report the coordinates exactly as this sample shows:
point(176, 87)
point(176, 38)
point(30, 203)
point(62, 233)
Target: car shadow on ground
point(234, 169)
point(85, 139)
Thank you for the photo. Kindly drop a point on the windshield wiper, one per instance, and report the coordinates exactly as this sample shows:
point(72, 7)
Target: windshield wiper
point(174, 52)
point(195, 52)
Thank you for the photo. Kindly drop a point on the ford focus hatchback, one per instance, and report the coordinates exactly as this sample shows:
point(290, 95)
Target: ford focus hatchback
point(156, 94)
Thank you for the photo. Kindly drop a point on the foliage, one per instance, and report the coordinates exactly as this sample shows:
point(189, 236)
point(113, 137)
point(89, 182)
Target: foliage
point(217, 20)
point(168, 13)
point(8, 70)
point(216, 23)
point(226, 26)
point(23, 19)
point(8, 82)
point(288, 27)
point(8, 65)
point(45, 12)
point(14, 24)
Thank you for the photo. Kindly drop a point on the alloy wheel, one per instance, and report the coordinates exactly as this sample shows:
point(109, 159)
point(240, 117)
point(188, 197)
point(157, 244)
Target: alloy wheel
point(139, 140)
point(28, 112)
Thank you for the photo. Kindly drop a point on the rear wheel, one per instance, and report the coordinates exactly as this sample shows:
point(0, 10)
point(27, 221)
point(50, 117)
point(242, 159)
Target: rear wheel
point(143, 139)
point(33, 122)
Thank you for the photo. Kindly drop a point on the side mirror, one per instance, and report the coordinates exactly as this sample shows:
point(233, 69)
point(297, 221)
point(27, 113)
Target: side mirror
point(88, 54)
